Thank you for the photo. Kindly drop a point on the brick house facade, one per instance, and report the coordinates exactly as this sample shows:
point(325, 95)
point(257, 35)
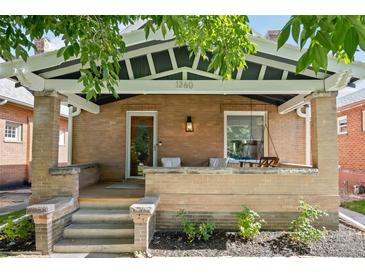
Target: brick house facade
point(351, 140)
point(287, 132)
point(161, 88)
point(16, 153)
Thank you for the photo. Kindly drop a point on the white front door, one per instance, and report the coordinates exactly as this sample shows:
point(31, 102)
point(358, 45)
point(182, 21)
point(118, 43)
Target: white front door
point(141, 142)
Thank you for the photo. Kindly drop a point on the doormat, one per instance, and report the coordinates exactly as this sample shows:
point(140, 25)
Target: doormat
point(125, 186)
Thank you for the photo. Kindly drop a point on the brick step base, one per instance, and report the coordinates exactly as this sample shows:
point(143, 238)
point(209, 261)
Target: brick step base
point(97, 215)
point(104, 230)
point(103, 227)
point(95, 245)
point(107, 203)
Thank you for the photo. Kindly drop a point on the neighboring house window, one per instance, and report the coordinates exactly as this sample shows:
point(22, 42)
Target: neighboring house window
point(342, 125)
point(61, 141)
point(363, 120)
point(244, 135)
point(13, 132)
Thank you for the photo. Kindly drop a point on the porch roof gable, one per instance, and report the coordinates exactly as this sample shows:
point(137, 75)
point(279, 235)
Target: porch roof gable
point(270, 74)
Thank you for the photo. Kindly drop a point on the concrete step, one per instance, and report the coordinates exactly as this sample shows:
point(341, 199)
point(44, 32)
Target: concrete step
point(96, 215)
point(103, 230)
point(94, 245)
point(122, 203)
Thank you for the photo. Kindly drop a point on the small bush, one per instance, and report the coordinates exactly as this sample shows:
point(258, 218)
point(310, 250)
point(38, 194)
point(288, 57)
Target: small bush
point(206, 230)
point(203, 232)
point(301, 227)
point(249, 223)
point(187, 227)
point(20, 230)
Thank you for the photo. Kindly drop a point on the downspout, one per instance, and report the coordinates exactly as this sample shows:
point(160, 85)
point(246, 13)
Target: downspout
point(307, 116)
point(71, 115)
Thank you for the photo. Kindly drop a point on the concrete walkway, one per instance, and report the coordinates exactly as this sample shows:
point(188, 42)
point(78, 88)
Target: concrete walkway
point(14, 199)
point(352, 218)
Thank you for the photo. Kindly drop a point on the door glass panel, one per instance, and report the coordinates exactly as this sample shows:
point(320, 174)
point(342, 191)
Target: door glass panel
point(245, 135)
point(141, 144)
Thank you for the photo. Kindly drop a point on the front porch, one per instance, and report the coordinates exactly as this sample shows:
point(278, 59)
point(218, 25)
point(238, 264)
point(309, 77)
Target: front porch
point(160, 87)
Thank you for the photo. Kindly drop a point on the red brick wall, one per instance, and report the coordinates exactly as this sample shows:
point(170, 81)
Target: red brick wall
point(101, 138)
point(15, 157)
point(352, 147)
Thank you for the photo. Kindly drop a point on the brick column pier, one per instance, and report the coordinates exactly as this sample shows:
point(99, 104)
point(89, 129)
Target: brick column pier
point(144, 218)
point(46, 116)
point(324, 134)
point(324, 147)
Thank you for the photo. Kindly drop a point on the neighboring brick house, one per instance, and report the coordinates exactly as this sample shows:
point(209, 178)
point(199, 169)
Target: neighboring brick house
point(16, 125)
point(351, 139)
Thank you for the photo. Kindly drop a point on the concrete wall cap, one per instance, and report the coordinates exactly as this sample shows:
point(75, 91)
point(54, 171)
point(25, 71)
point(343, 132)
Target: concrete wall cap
point(50, 205)
point(253, 170)
point(146, 205)
point(71, 169)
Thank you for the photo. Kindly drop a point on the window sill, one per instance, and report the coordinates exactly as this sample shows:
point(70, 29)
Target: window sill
point(12, 141)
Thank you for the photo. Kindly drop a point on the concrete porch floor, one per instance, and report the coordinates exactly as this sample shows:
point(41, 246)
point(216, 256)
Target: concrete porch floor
point(100, 192)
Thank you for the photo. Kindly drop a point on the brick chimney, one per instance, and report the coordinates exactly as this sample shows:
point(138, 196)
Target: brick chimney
point(272, 35)
point(42, 45)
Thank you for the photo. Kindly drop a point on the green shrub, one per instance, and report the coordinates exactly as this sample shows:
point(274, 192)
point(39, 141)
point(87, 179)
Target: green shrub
point(20, 230)
point(203, 232)
point(187, 227)
point(249, 223)
point(206, 230)
point(301, 228)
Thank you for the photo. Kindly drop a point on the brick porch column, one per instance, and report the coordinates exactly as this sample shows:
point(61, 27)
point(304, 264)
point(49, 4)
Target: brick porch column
point(46, 115)
point(324, 135)
point(324, 132)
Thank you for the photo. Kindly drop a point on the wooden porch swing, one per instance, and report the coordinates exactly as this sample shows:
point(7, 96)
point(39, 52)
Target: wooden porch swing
point(264, 161)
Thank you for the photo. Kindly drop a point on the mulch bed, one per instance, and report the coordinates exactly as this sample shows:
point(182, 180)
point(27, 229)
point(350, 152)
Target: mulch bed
point(346, 242)
point(18, 245)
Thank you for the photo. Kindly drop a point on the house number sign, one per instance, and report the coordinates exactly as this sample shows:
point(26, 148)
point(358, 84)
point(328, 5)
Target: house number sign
point(184, 84)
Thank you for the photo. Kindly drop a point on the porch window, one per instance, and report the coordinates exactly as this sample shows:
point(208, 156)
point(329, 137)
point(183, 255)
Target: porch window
point(244, 135)
point(342, 125)
point(13, 132)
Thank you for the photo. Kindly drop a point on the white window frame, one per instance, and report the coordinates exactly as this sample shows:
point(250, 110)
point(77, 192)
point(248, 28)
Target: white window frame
point(63, 143)
point(363, 120)
point(247, 113)
point(18, 132)
point(339, 127)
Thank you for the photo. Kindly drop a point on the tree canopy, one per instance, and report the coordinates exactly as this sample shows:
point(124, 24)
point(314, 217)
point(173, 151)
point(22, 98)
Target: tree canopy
point(96, 40)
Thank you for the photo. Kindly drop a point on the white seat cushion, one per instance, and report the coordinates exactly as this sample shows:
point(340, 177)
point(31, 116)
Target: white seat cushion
point(171, 162)
point(218, 162)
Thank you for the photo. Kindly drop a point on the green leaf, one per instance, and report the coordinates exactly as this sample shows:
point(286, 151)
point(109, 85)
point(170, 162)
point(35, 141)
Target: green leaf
point(339, 33)
point(362, 42)
point(324, 39)
point(295, 29)
point(146, 31)
point(320, 55)
point(351, 42)
point(303, 62)
point(284, 35)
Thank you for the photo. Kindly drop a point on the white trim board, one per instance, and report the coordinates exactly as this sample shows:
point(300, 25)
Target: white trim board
point(247, 113)
point(128, 116)
point(197, 86)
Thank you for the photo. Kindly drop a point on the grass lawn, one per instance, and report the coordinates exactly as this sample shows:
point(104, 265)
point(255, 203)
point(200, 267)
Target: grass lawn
point(358, 206)
point(12, 215)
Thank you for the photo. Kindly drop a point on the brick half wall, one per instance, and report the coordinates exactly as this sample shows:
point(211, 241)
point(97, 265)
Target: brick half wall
point(218, 197)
